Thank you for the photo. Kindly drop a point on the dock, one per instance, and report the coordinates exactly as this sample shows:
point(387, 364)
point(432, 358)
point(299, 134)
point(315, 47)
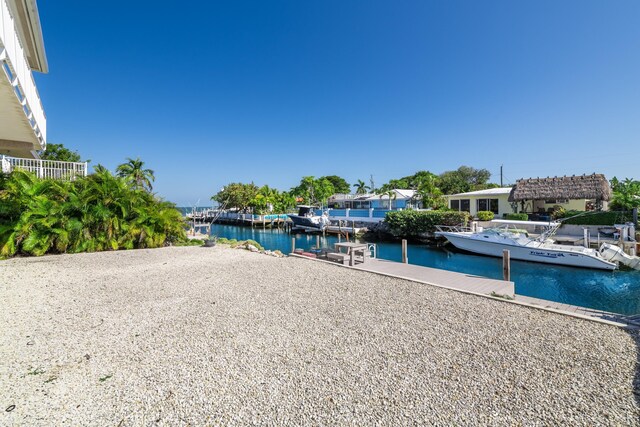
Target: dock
point(442, 278)
point(479, 285)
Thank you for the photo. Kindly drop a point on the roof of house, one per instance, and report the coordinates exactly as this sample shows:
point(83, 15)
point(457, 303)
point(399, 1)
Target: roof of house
point(27, 20)
point(487, 192)
point(343, 197)
point(593, 186)
point(400, 195)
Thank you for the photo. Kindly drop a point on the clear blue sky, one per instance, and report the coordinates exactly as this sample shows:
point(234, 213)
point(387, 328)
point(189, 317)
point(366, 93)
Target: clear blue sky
point(268, 91)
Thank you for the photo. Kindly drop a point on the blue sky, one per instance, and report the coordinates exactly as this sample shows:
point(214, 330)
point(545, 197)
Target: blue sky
point(269, 91)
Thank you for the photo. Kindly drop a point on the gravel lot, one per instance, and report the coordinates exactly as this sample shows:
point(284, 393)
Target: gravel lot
point(203, 336)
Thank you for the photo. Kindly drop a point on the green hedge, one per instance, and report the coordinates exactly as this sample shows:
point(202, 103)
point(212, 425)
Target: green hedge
point(99, 212)
point(518, 217)
point(410, 223)
point(485, 215)
point(600, 218)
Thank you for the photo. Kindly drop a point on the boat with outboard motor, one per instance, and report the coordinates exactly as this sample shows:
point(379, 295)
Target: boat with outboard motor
point(512, 236)
point(307, 218)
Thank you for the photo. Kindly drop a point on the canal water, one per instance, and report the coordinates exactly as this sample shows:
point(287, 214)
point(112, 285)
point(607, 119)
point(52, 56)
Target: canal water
point(616, 291)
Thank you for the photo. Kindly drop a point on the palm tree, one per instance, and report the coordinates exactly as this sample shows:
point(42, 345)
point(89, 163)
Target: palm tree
point(626, 194)
point(391, 194)
point(430, 194)
point(96, 213)
point(133, 172)
point(361, 187)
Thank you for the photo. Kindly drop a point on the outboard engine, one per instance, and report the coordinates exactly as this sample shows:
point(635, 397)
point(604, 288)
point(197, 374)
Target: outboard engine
point(615, 254)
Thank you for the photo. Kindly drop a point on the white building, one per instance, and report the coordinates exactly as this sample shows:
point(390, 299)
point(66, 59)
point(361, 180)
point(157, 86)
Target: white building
point(495, 200)
point(398, 199)
point(23, 123)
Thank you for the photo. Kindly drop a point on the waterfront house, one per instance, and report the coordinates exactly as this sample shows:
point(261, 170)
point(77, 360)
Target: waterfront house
point(537, 196)
point(399, 199)
point(23, 124)
point(495, 200)
point(581, 193)
point(349, 201)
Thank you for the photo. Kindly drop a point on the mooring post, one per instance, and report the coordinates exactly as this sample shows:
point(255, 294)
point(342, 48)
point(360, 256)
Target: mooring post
point(317, 241)
point(351, 252)
point(293, 244)
point(405, 258)
point(585, 237)
point(506, 265)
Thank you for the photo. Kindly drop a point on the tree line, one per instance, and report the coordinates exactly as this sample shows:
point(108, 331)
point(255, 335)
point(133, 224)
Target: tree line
point(430, 188)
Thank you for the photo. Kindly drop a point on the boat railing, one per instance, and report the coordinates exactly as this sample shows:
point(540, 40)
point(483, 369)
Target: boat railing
point(453, 228)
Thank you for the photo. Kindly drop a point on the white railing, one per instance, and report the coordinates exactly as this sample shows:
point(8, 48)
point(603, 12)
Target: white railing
point(14, 63)
point(51, 169)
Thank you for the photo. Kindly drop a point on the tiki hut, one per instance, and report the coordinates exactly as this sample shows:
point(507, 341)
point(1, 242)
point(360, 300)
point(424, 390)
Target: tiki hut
point(537, 194)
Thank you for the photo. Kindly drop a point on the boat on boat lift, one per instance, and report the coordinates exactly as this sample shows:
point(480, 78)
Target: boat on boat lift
point(511, 235)
point(307, 218)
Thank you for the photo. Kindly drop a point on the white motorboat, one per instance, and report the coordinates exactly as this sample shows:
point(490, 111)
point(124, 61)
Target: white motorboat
point(492, 242)
point(307, 218)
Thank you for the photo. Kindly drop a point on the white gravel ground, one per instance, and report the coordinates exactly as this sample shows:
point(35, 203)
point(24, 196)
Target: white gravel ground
point(203, 336)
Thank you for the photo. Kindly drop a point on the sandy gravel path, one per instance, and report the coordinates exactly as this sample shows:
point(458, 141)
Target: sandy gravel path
point(200, 336)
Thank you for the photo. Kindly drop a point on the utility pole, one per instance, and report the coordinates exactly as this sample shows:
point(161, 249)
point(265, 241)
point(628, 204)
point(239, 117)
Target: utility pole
point(501, 183)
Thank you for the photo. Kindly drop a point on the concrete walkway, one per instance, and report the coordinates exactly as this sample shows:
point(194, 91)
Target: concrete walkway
point(443, 278)
point(631, 321)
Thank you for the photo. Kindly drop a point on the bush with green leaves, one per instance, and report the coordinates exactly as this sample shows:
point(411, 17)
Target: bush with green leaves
point(518, 217)
point(96, 213)
point(599, 218)
point(410, 223)
point(485, 215)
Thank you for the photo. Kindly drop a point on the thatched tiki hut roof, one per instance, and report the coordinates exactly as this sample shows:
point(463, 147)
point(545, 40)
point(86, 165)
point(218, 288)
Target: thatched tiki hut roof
point(593, 186)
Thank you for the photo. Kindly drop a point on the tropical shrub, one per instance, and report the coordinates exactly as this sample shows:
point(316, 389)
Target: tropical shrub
point(485, 215)
point(600, 218)
point(97, 213)
point(563, 213)
point(518, 216)
point(626, 194)
point(409, 223)
point(558, 212)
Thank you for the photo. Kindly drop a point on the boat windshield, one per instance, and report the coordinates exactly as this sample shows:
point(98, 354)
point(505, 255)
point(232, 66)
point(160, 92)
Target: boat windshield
point(305, 210)
point(506, 229)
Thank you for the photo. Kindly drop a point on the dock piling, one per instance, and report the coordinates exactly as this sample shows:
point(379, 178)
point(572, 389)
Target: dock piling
point(351, 254)
point(293, 244)
point(405, 258)
point(506, 265)
point(317, 241)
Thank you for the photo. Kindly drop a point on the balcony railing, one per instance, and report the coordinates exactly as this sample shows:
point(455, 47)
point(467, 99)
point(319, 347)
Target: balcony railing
point(14, 64)
point(50, 169)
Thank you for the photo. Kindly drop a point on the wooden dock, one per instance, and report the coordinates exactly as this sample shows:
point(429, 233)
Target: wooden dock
point(442, 278)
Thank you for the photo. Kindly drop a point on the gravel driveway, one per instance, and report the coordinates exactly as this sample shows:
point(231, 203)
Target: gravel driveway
point(204, 336)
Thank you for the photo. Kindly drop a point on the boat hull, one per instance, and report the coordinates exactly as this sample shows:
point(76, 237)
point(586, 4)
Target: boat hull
point(307, 222)
point(534, 254)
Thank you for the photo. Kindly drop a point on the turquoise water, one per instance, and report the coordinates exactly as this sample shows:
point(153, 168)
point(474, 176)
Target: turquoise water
point(617, 291)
